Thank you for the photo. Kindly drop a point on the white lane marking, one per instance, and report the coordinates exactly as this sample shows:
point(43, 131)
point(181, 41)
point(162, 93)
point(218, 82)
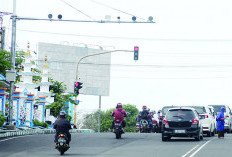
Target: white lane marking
point(194, 153)
point(10, 138)
point(190, 151)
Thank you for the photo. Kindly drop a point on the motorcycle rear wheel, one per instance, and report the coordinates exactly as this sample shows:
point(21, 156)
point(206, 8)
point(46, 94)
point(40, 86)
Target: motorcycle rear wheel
point(61, 152)
point(118, 134)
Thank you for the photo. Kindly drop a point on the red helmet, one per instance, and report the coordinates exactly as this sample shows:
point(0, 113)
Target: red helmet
point(119, 105)
point(144, 107)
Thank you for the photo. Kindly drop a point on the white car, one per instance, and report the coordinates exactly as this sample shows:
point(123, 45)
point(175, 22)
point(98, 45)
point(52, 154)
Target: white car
point(207, 119)
point(227, 114)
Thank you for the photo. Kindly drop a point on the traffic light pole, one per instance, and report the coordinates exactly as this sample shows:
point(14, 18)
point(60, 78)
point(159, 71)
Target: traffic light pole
point(99, 117)
point(97, 55)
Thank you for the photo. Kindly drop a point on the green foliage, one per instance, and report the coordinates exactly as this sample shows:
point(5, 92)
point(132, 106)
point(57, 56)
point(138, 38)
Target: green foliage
point(68, 117)
point(44, 124)
point(36, 78)
point(36, 122)
point(58, 87)
point(5, 61)
point(60, 102)
point(2, 120)
point(91, 120)
point(60, 99)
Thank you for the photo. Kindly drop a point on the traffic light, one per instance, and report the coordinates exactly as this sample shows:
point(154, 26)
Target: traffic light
point(77, 87)
point(136, 53)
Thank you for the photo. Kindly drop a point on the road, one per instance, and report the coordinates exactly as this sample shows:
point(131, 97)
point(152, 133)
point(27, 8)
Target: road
point(105, 145)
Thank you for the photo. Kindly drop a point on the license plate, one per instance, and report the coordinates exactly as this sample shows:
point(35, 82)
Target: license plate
point(180, 131)
point(62, 140)
point(117, 123)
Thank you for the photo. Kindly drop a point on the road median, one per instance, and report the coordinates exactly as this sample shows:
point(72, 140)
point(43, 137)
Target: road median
point(7, 133)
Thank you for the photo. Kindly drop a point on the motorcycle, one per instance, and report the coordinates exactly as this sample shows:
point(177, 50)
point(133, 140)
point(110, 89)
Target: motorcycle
point(62, 145)
point(118, 129)
point(155, 126)
point(144, 127)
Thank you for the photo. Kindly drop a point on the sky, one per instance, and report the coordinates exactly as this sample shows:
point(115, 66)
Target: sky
point(184, 57)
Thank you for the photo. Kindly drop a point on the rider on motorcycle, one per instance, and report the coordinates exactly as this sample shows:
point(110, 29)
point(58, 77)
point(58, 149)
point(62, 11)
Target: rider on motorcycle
point(145, 114)
point(62, 125)
point(118, 114)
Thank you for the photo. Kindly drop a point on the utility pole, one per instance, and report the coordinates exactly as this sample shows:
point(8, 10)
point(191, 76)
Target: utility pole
point(13, 54)
point(99, 116)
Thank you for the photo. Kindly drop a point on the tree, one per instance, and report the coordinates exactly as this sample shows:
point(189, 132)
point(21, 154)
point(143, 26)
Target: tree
point(60, 102)
point(58, 87)
point(91, 120)
point(60, 99)
point(5, 60)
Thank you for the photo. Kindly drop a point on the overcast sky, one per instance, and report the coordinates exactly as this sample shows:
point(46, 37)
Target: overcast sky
point(185, 57)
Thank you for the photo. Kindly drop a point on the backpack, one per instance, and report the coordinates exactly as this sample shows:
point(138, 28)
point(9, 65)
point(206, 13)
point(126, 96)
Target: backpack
point(144, 114)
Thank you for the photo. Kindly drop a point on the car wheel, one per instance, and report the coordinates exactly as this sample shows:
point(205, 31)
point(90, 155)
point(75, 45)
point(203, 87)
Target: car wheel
point(198, 138)
point(213, 133)
point(164, 138)
point(201, 137)
point(229, 130)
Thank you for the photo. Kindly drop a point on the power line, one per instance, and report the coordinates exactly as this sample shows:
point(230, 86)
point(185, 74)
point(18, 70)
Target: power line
point(150, 65)
point(115, 9)
point(129, 38)
point(76, 9)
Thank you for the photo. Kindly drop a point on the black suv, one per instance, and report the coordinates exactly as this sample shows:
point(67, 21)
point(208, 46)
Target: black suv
point(181, 122)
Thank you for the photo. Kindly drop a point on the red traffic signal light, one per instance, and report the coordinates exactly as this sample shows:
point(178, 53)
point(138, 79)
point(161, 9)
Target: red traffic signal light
point(136, 53)
point(77, 87)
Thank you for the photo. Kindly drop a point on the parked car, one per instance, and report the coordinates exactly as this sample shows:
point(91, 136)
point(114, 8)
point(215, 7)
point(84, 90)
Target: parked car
point(228, 116)
point(207, 119)
point(182, 122)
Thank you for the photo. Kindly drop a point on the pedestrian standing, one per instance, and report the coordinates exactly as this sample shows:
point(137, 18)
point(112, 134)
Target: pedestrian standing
point(220, 123)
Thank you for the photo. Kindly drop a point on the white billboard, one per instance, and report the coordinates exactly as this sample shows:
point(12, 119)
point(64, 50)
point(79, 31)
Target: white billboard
point(93, 71)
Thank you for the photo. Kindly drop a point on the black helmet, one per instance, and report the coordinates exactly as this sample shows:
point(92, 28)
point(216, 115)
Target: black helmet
point(62, 114)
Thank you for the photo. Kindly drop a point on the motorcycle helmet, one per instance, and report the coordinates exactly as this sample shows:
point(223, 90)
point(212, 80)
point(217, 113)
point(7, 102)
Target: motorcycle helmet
point(144, 107)
point(62, 114)
point(119, 105)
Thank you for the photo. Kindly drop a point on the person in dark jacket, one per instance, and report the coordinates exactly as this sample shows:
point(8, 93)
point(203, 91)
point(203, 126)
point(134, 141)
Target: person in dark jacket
point(62, 125)
point(145, 114)
point(119, 114)
point(220, 123)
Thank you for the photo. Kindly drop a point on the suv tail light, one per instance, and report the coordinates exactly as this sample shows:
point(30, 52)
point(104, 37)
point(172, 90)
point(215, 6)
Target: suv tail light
point(206, 116)
point(195, 121)
point(227, 116)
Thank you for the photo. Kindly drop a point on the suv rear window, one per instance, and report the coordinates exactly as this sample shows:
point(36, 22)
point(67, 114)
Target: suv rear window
point(217, 108)
point(199, 109)
point(165, 109)
point(184, 114)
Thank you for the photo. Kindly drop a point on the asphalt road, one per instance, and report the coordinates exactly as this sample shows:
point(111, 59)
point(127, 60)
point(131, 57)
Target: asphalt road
point(105, 145)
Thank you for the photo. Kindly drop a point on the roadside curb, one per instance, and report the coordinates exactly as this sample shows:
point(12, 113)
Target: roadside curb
point(44, 131)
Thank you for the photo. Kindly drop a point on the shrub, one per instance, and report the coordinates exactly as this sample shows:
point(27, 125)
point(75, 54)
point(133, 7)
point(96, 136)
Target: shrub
point(44, 124)
point(2, 120)
point(36, 122)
